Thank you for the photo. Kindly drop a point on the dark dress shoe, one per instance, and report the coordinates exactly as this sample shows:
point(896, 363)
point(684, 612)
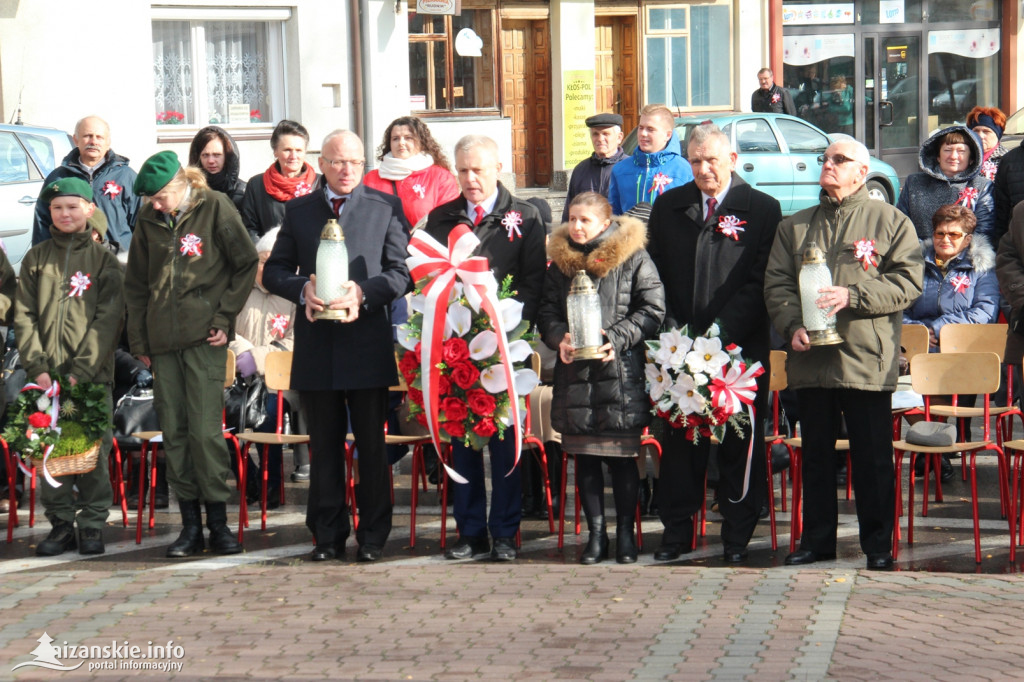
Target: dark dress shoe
point(301, 473)
point(504, 549)
point(90, 541)
point(806, 556)
point(879, 562)
point(60, 540)
point(469, 548)
point(369, 553)
point(671, 551)
point(324, 553)
point(734, 557)
point(947, 474)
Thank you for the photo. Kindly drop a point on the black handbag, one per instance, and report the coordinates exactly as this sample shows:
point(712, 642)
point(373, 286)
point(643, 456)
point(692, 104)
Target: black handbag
point(133, 413)
point(245, 403)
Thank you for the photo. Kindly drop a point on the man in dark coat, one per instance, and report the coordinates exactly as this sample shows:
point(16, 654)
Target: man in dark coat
point(770, 98)
point(343, 370)
point(595, 172)
point(511, 237)
point(109, 175)
point(710, 240)
point(1008, 190)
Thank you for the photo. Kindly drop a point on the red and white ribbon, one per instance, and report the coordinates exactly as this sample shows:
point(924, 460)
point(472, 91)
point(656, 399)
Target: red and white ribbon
point(111, 189)
point(428, 258)
point(729, 225)
point(278, 326)
point(960, 282)
point(191, 245)
point(988, 169)
point(659, 183)
point(511, 222)
point(54, 394)
point(734, 388)
point(79, 284)
point(968, 197)
point(864, 251)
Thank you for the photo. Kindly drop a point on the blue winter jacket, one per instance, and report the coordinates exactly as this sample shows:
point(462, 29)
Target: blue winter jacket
point(968, 293)
point(645, 177)
point(925, 192)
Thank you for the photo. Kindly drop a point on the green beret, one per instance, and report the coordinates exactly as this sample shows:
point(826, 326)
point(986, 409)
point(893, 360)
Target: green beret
point(154, 175)
point(67, 187)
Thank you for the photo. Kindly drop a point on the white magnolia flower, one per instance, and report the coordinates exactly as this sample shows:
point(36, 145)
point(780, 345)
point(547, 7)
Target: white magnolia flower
point(459, 320)
point(686, 395)
point(706, 355)
point(658, 381)
point(714, 329)
point(674, 347)
point(483, 345)
point(407, 338)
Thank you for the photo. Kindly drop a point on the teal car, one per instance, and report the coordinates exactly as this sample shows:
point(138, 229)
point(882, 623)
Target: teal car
point(779, 155)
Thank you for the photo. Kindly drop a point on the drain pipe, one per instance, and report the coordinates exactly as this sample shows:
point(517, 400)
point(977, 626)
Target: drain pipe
point(366, 120)
point(356, 35)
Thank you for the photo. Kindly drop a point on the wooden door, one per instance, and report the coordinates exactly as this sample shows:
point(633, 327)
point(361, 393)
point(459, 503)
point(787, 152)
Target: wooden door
point(615, 68)
point(526, 98)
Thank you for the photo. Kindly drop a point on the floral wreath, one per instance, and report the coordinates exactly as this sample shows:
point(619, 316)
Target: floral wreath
point(81, 413)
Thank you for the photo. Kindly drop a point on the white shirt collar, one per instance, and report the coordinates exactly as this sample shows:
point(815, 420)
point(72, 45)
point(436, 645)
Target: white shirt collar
point(488, 205)
point(720, 197)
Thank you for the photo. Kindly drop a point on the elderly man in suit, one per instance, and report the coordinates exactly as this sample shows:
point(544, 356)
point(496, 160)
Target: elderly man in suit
point(711, 239)
point(342, 370)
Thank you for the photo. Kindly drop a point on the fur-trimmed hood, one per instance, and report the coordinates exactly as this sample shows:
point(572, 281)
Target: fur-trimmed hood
point(979, 256)
point(624, 237)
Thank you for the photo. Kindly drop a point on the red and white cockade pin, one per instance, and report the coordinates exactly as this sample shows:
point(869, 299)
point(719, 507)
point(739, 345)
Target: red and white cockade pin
point(79, 284)
point(420, 191)
point(864, 251)
point(511, 222)
point(278, 326)
point(968, 197)
point(111, 189)
point(729, 225)
point(776, 98)
point(988, 169)
point(191, 245)
point(659, 183)
point(960, 282)
point(302, 189)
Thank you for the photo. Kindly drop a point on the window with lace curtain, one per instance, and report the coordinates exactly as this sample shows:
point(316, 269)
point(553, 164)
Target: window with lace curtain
point(222, 72)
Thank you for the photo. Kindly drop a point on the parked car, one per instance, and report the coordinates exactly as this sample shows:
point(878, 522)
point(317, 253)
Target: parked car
point(1014, 132)
point(953, 104)
point(778, 154)
point(27, 155)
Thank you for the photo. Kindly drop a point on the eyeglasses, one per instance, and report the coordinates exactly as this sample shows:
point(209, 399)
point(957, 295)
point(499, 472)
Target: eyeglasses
point(341, 163)
point(836, 159)
point(953, 236)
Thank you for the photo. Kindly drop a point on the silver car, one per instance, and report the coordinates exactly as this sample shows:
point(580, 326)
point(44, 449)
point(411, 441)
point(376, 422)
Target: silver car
point(27, 155)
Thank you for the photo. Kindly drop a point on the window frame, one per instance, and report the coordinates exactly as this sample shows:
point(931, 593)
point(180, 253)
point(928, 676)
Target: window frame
point(276, 20)
point(448, 38)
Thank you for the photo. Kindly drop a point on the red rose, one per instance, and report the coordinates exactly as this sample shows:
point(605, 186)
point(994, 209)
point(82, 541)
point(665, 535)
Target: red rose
point(485, 428)
point(719, 416)
point(455, 429)
point(444, 385)
point(408, 364)
point(418, 350)
point(416, 396)
point(465, 374)
point(39, 420)
point(480, 402)
point(454, 350)
point(454, 409)
point(421, 419)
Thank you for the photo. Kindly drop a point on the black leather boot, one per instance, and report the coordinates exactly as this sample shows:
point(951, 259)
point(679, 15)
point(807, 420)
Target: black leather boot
point(597, 544)
point(625, 540)
point(190, 540)
point(222, 540)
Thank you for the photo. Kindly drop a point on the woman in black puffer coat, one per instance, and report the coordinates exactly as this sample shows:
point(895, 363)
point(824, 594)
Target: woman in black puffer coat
point(601, 406)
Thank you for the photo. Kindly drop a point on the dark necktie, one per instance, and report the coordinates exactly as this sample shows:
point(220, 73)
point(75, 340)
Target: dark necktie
point(712, 204)
point(336, 203)
point(479, 215)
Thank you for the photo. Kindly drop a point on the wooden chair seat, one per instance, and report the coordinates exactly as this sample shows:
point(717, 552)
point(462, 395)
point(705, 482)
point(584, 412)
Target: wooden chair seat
point(940, 449)
point(272, 438)
point(798, 442)
point(967, 412)
point(405, 440)
point(146, 435)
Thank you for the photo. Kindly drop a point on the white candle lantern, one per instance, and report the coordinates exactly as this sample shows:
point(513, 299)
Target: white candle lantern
point(814, 276)
point(584, 312)
point(331, 270)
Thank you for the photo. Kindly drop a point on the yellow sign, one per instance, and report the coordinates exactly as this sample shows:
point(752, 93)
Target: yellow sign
point(578, 98)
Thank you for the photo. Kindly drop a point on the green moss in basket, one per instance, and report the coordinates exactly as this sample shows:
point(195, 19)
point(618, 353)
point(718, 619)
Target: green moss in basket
point(73, 441)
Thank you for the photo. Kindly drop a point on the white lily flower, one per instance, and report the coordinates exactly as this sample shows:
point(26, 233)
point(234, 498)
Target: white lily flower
point(525, 380)
point(459, 320)
point(483, 345)
point(706, 355)
point(407, 338)
point(685, 394)
point(519, 350)
point(658, 381)
point(511, 312)
point(43, 403)
point(456, 293)
point(714, 329)
point(417, 303)
point(493, 379)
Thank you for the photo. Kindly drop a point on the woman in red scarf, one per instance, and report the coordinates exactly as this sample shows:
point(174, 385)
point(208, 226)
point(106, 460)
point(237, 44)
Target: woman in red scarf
point(413, 167)
point(288, 177)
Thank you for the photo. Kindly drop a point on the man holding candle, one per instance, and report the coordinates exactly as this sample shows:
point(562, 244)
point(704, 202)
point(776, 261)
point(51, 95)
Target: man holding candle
point(342, 370)
point(877, 270)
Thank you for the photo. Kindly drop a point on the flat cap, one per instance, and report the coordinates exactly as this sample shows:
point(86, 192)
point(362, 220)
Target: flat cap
point(154, 175)
point(604, 121)
point(67, 187)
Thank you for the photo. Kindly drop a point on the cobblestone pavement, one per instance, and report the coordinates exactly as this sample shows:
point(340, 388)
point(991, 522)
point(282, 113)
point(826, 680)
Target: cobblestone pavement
point(272, 614)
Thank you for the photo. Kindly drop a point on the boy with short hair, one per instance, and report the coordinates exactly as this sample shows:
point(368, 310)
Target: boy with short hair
point(68, 316)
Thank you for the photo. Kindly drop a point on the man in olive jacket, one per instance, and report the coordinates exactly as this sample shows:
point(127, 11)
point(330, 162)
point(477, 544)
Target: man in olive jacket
point(877, 270)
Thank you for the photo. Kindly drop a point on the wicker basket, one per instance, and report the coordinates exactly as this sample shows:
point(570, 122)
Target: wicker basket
point(81, 463)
